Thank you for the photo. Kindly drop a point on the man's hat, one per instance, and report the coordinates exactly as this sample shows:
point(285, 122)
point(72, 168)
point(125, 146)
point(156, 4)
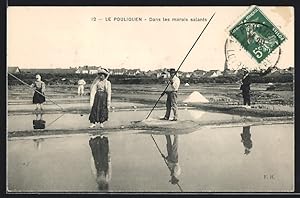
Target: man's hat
point(172, 71)
point(103, 71)
point(245, 69)
point(38, 76)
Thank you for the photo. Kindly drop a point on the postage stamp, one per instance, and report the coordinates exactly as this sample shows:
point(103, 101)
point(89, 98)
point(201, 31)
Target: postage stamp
point(237, 57)
point(257, 34)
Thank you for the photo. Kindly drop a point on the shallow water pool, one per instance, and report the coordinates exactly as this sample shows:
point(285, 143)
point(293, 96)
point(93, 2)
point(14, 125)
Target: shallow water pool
point(238, 159)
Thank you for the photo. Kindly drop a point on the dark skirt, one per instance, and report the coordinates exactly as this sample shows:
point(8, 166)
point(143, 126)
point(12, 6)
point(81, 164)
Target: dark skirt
point(38, 98)
point(99, 112)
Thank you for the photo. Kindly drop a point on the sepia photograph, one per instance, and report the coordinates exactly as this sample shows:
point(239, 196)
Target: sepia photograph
point(160, 99)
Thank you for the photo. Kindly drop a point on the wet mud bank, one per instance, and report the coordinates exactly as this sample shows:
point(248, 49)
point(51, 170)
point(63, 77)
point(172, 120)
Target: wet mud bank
point(192, 120)
point(240, 110)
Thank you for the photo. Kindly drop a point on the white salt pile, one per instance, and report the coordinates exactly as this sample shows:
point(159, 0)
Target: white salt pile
point(186, 84)
point(196, 97)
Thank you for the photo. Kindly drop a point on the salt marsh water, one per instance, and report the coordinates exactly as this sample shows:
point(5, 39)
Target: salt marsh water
point(210, 160)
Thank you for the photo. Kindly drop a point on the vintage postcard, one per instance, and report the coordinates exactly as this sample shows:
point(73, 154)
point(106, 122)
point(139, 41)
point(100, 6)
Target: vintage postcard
point(150, 99)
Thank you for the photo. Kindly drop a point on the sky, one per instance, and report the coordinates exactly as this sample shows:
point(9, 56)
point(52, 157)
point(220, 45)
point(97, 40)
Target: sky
point(63, 37)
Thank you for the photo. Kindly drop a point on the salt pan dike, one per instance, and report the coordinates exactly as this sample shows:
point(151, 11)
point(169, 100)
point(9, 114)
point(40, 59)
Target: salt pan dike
point(133, 121)
point(77, 105)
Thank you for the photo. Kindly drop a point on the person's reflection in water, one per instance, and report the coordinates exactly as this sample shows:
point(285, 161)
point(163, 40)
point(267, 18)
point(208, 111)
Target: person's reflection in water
point(39, 123)
point(172, 158)
point(246, 139)
point(102, 162)
point(38, 143)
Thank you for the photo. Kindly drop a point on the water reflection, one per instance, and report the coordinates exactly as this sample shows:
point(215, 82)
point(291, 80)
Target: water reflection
point(138, 166)
point(101, 162)
point(172, 158)
point(38, 143)
point(39, 123)
point(246, 139)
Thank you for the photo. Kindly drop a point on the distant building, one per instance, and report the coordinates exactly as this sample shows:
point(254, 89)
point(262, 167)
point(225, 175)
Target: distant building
point(213, 73)
point(180, 73)
point(279, 72)
point(164, 74)
point(275, 69)
point(119, 72)
point(13, 70)
point(228, 72)
point(161, 73)
point(87, 70)
point(150, 73)
point(198, 73)
point(133, 72)
point(188, 74)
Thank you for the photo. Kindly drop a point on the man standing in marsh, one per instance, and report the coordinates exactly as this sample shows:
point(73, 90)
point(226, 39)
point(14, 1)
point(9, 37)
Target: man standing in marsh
point(171, 92)
point(245, 87)
point(81, 84)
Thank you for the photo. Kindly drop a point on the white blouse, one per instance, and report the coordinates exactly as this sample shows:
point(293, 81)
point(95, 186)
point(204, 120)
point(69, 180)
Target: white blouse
point(103, 85)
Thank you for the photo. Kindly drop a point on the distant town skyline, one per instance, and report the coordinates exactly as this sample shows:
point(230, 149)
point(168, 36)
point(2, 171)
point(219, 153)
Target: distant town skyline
point(130, 37)
point(127, 68)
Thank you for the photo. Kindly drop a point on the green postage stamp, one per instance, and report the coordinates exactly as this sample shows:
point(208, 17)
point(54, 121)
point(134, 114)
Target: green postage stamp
point(257, 34)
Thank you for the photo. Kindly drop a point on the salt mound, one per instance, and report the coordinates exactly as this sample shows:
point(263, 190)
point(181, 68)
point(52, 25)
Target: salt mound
point(186, 84)
point(196, 97)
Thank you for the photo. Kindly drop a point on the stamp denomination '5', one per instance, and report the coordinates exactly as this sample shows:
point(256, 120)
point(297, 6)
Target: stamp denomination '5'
point(257, 34)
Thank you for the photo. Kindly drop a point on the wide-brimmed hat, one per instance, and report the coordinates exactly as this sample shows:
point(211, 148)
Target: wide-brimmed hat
point(103, 71)
point(172, 70)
